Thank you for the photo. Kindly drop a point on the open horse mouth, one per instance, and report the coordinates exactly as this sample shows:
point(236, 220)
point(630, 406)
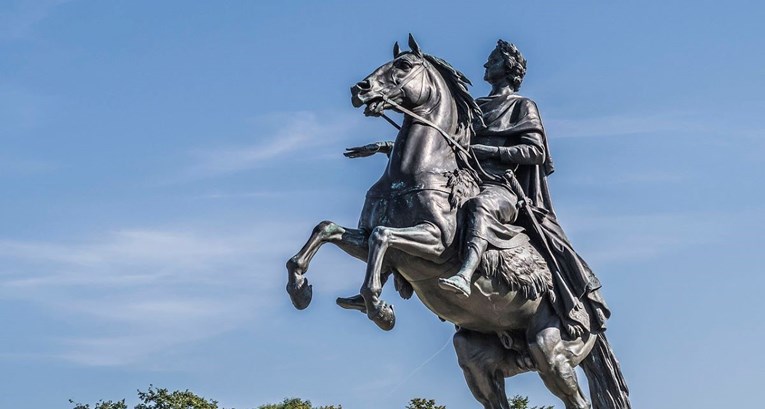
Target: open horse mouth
point(362, 94)
point(374, 107)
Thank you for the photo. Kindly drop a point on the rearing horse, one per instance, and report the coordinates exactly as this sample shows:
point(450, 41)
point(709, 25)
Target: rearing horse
point(409, 225)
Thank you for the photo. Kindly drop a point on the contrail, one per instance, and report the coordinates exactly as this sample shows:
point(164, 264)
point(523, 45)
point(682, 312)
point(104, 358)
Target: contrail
point(422, 365)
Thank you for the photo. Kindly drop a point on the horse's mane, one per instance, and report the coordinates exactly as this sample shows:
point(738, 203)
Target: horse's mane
point(467, 109)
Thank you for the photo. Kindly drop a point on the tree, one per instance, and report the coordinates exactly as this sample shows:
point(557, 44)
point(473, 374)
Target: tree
point(295, 403)
point(419, 403)
point(161, 398)
point(522, 402)
point(101, 405)
point(158, 398)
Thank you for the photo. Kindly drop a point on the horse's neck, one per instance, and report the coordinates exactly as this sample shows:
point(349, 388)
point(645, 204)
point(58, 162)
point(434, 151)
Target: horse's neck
point(419, 148)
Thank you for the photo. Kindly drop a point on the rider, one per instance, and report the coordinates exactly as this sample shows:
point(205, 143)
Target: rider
point(512, 140)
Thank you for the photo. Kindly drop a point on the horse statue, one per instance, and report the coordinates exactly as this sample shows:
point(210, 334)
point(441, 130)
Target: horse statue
point(409, 226)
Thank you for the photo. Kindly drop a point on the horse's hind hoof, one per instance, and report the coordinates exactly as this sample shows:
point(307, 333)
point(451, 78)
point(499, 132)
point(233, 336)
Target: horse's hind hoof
point(300, 293)
point(352, 303)
point(384, 317)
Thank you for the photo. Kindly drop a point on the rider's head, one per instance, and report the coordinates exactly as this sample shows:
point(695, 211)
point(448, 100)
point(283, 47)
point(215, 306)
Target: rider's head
point(505, 63)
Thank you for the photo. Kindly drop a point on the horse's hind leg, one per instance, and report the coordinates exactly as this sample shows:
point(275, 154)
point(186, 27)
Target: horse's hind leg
point(486, 364)
point(352, 241)
point(555, 362)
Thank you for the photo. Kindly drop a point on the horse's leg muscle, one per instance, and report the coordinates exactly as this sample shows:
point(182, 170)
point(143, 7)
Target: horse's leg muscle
point(554, 360)
point(486, 364)
point(352, 241)
point(423, 240)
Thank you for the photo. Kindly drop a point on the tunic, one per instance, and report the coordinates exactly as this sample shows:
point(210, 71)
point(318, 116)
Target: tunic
point(513, 124)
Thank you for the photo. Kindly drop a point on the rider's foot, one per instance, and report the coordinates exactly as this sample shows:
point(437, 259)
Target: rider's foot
point(457, 284)
point(355, 302)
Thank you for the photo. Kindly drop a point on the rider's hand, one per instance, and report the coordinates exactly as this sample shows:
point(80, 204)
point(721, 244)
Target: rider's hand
point(363, 151)
point(485, 152)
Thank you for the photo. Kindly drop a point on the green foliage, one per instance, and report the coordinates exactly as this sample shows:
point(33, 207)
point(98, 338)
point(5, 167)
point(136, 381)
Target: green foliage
point(419, 403)
point(522, 402)
point(163, 399)
point(102, 405)
point(157, 398)
point(296, 403)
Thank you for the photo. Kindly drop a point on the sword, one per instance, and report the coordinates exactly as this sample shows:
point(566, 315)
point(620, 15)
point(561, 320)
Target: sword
point(538, 232)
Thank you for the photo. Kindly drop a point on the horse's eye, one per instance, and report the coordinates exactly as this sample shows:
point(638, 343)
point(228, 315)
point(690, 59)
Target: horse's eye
point(403, 65)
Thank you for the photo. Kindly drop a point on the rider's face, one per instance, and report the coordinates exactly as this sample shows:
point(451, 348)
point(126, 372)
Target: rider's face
point(495, 68)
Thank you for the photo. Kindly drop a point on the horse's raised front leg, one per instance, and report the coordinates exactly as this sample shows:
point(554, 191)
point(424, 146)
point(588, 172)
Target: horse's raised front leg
point(423, 240)
point(352, 241)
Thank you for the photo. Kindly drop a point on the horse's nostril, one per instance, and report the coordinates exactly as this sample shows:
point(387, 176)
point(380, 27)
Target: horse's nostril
point(364, 85)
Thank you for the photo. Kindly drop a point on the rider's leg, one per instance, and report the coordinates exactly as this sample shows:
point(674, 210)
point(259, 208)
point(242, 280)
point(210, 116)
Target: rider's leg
point(486, 364)
point(423, 240)
point(460, 282)
point(494, 206)
point(553, 359)
point(352, 241)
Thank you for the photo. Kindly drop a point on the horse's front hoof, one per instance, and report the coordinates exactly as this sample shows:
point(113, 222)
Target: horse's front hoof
point(300, 293)
point(384, 317)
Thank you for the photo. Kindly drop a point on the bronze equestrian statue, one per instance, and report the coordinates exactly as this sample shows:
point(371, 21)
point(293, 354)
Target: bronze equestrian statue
point(462, 218)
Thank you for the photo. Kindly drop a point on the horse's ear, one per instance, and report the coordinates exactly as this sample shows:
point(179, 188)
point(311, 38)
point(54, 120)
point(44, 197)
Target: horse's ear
point(396, 50)
point(414, 46)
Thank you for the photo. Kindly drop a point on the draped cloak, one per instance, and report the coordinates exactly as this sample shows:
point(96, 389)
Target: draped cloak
point(513, 124)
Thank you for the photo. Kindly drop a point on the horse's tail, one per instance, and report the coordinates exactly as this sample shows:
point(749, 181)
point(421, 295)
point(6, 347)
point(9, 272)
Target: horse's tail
point(608, 389)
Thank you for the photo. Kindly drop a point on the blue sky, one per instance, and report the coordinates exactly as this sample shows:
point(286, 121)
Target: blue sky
point(160, 161)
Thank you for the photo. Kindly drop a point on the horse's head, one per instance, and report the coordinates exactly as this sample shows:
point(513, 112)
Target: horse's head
point(419, 82)
point(406, 80)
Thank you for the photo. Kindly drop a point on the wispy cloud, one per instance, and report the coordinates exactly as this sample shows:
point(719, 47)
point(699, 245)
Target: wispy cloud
point(20, 20)
point(619, 125)
point(148, 324)
point(635, 177)
point(278, 194)
point(141, 291)
point(16, 166)
point(620, 238)
point(22, 108)
point(279, 136)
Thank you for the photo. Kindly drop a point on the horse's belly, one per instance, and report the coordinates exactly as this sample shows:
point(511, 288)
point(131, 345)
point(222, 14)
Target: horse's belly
point(488, 309)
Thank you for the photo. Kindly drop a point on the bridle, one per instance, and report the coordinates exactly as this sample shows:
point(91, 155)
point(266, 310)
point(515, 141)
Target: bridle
point(420, 66)
point(450, 139)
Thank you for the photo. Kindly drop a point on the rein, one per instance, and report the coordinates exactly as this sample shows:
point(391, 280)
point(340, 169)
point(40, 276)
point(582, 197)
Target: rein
point(470, 154)
point(429, 123)
point(449, 138)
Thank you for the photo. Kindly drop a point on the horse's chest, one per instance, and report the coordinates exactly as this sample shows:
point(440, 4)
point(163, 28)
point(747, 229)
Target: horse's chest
point(407, 207)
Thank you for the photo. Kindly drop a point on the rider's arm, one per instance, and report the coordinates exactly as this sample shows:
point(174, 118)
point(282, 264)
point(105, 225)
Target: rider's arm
point(530, 151)
point(530, 146)
point(368, 150)
point(386, 147)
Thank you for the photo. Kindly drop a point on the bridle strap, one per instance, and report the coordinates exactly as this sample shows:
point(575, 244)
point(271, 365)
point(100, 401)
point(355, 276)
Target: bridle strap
point(449, 138)
point(427, 122)
point(410, 76)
